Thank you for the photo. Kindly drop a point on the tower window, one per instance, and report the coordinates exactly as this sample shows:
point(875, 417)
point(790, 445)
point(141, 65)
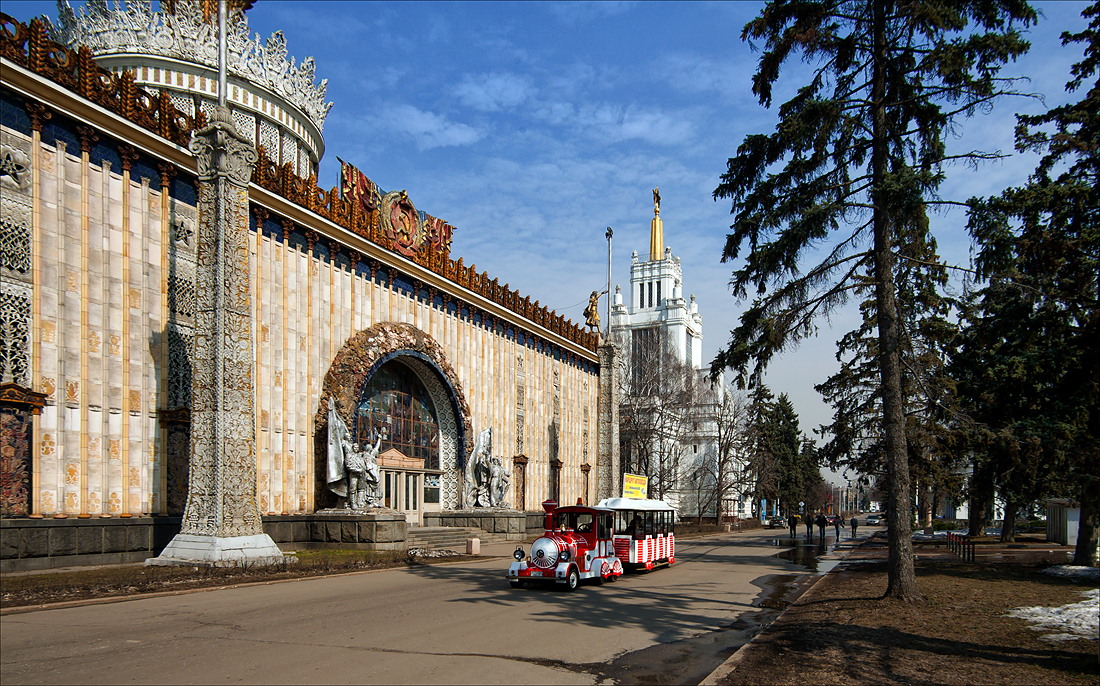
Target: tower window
point(651, 294)
point(658, 292)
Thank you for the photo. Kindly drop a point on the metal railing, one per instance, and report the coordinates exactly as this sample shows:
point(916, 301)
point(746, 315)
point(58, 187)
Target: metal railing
point(962, 545)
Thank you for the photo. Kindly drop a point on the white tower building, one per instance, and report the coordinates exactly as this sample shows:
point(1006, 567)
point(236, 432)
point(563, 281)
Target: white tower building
point(668, 407)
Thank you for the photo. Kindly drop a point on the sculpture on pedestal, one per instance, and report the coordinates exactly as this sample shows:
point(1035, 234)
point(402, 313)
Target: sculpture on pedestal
point(486, 479)
point(351, 473)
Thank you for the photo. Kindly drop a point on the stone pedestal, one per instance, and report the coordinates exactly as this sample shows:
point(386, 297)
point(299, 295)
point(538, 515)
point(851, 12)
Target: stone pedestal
point(608, 472)
point(221, 521)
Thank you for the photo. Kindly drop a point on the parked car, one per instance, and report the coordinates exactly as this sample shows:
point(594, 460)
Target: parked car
point(777, 523)
point(873, 520)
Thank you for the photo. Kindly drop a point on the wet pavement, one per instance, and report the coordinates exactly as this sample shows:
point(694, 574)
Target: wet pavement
point(691, 660)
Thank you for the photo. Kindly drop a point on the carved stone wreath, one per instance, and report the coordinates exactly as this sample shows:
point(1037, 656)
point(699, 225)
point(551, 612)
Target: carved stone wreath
point(348, 372)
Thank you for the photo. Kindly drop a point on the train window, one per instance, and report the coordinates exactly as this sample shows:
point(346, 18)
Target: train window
point(636, 527)
point(650, 524)
point(604, 523)
point(583, 523)
point(622, 521)
point(662, 522)
point(672, 522)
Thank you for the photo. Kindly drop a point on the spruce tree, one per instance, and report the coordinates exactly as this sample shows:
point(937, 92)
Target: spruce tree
point(853, 166)
point(1037, 322)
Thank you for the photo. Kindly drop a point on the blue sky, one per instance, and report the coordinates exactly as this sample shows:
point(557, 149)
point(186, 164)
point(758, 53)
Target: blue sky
point(531, 127)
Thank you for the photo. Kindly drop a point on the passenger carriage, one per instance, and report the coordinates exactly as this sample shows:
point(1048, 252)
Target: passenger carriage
point(645, 532)
point(577, 545)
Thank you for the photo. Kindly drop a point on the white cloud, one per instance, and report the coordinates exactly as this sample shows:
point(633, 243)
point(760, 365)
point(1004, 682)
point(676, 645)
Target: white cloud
point(494, 92)
point(426, 129)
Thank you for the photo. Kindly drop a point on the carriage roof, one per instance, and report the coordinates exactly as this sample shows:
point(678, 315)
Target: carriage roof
point(635, 504)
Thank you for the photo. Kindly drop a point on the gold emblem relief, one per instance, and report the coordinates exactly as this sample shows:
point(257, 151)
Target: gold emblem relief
point(72, 391)
point(135, 297)
point(48, 386)
point(278, 502)
point(263, 333)
point(302, 484)
point(114, 503)
point(302, 345)
point(115, 448)
point(47, 500)
point(48, 332)
point(93, 448)
point(301, 503)
point(94, 503)
point(94, 342)
point(48, 446)
point(72, 280)
point(116, 345)
point(263, 502)
point(290, 462)
point(135, 401)
point(72, 502)
point(264, 420)
point(278, 379)
point(72, 475)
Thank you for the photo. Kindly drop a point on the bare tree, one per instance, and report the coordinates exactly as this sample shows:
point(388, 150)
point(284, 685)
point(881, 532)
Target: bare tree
point(721, 471)
point(655, 410)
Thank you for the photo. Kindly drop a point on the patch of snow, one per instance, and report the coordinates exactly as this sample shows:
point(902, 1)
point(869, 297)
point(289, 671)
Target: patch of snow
point(1065, 623)
point(1074, 572)
point(424, 552)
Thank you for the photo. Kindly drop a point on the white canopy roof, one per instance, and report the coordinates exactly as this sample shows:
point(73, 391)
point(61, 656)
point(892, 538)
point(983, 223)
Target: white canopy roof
point(634, 504)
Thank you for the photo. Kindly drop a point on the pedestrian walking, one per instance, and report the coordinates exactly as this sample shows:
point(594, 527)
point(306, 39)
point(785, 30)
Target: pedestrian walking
point(854, 523)
point(809, 525)
point(821, 524)
point(792, 522)
point(836, 525)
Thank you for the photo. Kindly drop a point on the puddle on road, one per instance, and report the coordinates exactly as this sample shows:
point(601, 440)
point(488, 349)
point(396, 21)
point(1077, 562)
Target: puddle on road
point(807, 554)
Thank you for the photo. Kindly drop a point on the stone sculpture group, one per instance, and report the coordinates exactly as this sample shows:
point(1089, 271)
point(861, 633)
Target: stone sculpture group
point(352, 472)
point(486, 480)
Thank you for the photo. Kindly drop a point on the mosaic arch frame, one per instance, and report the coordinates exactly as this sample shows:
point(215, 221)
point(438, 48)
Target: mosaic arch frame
point(352, 367)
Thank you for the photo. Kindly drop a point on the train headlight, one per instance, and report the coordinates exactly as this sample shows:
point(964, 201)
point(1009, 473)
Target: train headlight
point(519, 554)
point(564, 556)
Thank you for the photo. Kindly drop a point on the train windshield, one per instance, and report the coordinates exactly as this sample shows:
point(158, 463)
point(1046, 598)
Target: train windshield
point(581, 522)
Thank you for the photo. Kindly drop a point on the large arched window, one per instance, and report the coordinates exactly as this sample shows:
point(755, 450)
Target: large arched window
point(396, 404)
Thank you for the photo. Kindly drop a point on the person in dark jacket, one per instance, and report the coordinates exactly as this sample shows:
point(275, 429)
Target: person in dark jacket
point(821, 524)
point(836, 525)
point(854, 523)
point(792, 522)
point(809, 526)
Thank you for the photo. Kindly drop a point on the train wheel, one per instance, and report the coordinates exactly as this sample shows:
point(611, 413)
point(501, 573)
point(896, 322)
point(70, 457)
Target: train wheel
point(573, 580)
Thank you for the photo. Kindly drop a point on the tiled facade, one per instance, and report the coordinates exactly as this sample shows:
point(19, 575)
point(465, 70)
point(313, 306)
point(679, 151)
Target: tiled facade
point(98, 306)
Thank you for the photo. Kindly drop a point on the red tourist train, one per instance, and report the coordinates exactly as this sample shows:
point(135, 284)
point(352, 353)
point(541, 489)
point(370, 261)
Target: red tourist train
point(583, 542)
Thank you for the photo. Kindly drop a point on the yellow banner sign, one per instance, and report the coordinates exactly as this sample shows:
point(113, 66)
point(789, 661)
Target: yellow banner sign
point(635, 486)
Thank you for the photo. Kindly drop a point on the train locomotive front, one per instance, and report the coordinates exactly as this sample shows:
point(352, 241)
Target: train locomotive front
point(577, 545)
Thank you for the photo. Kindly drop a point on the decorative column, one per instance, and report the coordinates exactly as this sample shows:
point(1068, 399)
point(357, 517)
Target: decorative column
point(607, 424)
point(221, 522)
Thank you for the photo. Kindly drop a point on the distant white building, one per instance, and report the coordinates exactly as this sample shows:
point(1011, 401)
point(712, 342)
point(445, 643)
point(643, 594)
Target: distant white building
point(667, 425)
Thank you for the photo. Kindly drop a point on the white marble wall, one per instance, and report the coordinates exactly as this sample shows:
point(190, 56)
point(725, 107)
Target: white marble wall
point(103, 249)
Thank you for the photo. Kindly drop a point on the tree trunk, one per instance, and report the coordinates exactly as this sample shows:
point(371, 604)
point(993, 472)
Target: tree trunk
point(981, 499)
point(901, 575)
point(1084, 554)
point(926, 507)
point(1008, 527)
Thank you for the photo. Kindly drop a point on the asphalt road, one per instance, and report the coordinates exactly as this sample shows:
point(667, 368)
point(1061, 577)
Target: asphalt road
point(443, 624)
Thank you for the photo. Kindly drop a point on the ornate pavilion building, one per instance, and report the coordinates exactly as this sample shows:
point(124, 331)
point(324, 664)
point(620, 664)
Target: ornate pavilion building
point(355, 304)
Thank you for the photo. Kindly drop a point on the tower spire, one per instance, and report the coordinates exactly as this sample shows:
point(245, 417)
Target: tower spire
point(656, 230)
